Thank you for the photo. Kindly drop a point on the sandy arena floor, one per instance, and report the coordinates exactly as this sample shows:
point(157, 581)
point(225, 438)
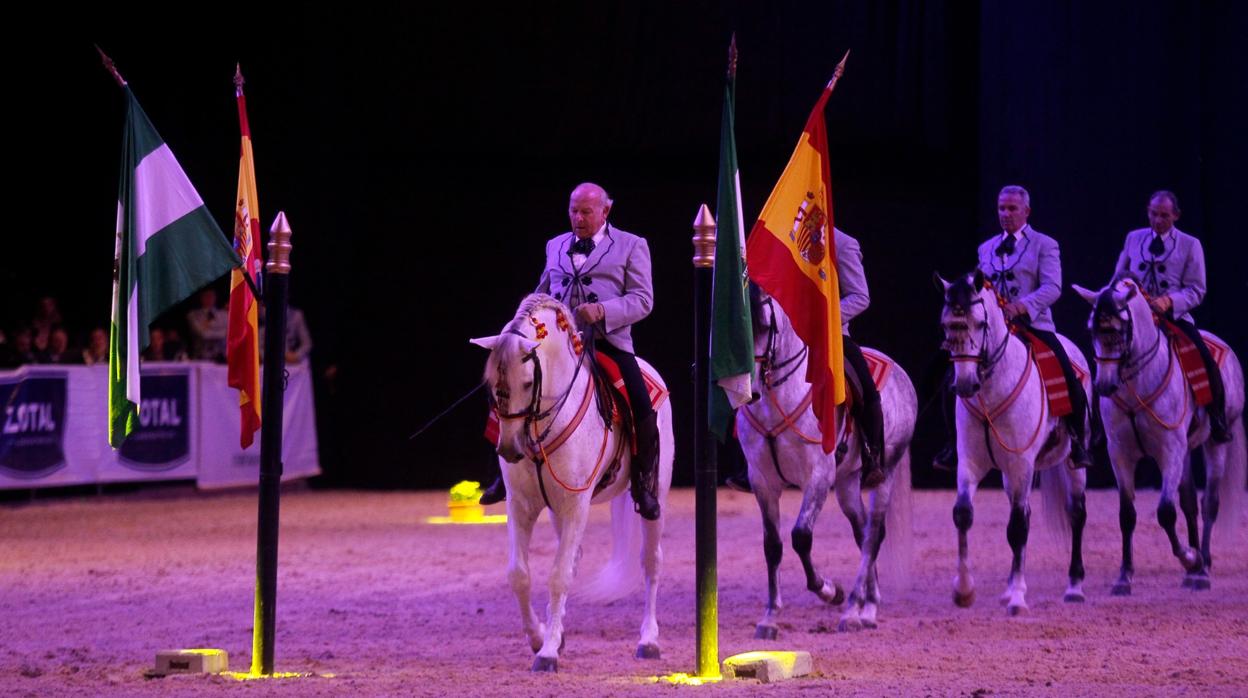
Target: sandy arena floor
point(373, 601)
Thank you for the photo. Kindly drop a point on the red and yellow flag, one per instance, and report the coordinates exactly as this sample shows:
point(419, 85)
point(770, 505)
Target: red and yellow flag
point(792, 254)
point(243, 346)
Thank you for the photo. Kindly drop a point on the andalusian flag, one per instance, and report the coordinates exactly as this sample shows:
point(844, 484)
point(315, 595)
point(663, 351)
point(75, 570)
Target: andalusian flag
point(792, 257)
point(167, 248)
point(732, 339)
point(243, 346)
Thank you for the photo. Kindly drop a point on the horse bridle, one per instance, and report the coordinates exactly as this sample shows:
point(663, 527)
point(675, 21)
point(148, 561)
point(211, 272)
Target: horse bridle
point(986, 361)
point(1126, 339)
point(532, 412)
point(768, 363)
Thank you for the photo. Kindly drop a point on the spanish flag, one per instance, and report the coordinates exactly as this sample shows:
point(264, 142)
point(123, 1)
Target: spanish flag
point(243, 346)
point(792, 257)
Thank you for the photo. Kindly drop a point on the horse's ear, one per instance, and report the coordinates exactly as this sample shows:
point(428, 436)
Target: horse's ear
point(1089, 296)
point(939, 282)
point(485, 342)
point(978, 280)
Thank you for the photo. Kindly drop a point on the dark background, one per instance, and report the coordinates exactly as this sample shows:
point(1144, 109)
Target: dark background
point(423, 157)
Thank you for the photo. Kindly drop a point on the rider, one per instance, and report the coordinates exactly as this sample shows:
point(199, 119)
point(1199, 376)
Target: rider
point(855, 298)
point(603, 274)
point(1170, 265)
point(1025, 267)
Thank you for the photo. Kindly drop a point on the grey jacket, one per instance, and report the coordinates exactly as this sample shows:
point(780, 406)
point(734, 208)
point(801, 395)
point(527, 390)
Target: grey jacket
point(616, 274)
point(1178, 272)
point(853, 282)
point(1032, 275)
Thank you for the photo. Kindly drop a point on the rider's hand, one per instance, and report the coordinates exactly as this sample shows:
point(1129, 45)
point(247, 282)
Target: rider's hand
point(1013, 310)
point(1161, 304)
point(591, 312)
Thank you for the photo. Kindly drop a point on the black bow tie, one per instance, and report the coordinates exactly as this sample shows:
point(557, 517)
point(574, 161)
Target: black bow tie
point(1156, 247)
point(1006, 248)
point(582, 246)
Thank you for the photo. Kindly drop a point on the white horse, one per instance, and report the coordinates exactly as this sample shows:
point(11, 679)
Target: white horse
point(1148, 411)
point(556, 451)
point(781, 440)
point(1003, 421)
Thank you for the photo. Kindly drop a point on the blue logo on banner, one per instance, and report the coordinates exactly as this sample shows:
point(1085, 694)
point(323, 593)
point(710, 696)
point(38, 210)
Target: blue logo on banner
point(33, 426)
point(162, 439)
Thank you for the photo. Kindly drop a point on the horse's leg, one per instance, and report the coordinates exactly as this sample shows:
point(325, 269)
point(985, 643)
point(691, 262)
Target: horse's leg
point(849, 496)
point(570, 523)
point(767, 493)
point(1188, 505)
point(1077, 510)
point(1167, 514)
point(520, 519)
point(963, 517)
point(1215, 466)
point(651, 564)
point(1018, 486)
point(813, 497)
point(878, 513)
point(1124, 460)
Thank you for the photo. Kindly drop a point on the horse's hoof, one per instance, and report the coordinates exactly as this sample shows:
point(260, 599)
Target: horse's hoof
point(869, 623)
point(545, 665)
point(766, 632)
point(1121, 589)
point(1201, 584)
point(648, 651)
point(963, 600)
point(849, 625)
point(1188, 582)
point(1017, 609)
point(836, 597)
point(1074, 597)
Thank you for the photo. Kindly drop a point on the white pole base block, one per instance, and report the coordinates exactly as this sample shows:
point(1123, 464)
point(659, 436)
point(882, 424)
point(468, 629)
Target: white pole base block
point(769, 666)
point(194, 661)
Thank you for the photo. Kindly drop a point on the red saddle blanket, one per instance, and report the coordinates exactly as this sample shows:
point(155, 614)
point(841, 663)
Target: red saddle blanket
point(1051, 373)
point(1191, 363)
point(880, 366)
point(658, 394)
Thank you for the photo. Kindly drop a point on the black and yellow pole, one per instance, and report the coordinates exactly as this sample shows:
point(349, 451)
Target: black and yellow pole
point(705, 474)
point(276, 283)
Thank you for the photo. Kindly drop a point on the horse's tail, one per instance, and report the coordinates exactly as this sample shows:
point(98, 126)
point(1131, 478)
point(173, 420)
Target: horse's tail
point(898, 547)
point(1232, 494)
point(1055, 492)
point(621, 574)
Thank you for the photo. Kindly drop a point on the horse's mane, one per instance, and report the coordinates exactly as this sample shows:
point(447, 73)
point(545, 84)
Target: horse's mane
point(533, 303)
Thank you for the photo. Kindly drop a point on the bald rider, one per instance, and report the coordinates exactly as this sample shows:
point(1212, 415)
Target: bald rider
point(1170, 266)
point(603, 274)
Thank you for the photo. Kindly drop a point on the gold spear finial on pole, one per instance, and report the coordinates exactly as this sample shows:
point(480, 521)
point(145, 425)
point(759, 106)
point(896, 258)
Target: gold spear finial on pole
point(238, 79)
point(836, 74)
point(108, 65)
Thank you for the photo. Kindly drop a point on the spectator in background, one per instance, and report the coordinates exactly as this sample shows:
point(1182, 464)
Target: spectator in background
point(97, 348)
point(46, 318)
point(209, 327)
point(58, 351)
point(298, 339)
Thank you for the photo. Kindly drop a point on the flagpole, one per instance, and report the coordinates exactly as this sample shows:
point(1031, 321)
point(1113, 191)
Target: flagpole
point(705, 474)
point(277, 271)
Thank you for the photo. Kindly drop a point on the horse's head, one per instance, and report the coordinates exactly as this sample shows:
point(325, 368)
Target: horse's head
point(763, 317)
point(776, 344)
point(527, 361)
point(1117, 309)
point(970, 319)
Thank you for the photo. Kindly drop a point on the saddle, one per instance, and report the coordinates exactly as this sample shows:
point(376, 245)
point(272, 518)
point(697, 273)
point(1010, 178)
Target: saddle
point(1051, 373)
point(1189, 360)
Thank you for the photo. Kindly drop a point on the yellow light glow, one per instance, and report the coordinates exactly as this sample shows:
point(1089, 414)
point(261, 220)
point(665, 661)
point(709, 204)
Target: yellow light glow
point(248, 676)
point(204, 651)
point(686, 679)
point(467, 491)
point(485, 519)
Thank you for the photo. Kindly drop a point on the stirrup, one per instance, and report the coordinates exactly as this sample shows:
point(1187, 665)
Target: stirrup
point(495, 493)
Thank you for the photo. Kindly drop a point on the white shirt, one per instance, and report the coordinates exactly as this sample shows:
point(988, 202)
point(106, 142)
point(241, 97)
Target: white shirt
point(579, 259)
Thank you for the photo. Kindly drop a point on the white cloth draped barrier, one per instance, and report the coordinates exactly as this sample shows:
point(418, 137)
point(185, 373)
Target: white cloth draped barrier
point(55, 428)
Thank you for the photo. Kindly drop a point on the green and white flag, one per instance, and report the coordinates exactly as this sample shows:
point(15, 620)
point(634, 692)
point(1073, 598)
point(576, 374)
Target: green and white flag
point(732, 337)
point(168, 246)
